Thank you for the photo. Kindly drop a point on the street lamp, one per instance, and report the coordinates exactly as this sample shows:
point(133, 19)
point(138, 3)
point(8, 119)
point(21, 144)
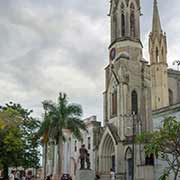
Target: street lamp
point(135, 125)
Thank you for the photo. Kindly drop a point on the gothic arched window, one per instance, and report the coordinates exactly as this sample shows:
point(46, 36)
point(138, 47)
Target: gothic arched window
point(134, 102)
point(115, 24)
point(157, 55)
point(132, 20)
point(170, 97)
point(122, 20)
point(122, 6)
point(162, 52)
point(114, 103)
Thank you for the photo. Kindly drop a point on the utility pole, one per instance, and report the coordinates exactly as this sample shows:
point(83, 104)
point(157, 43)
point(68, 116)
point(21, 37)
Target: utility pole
point(133, 144)
point(132, 117)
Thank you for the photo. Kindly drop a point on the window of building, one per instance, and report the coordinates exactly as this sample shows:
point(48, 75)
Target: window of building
point(170, 97)
point(122, 6)
point(149, 160)
point(114, 103)
point(162, 52)
point(157, 55)
point(89, 143)
point(75, 146)
point(123, 24)
point(115, 25)
point(134, 102)
point(122, 20)
point(132, 20)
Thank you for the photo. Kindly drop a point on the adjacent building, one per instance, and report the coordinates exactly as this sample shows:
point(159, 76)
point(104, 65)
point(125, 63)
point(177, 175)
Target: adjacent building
point(70, 149)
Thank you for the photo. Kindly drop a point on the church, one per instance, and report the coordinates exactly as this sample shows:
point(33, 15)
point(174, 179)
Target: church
point(138, 94)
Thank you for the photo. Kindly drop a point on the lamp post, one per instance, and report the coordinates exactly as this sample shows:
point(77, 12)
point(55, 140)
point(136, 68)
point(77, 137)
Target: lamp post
point(134, 121)
point(133, 143)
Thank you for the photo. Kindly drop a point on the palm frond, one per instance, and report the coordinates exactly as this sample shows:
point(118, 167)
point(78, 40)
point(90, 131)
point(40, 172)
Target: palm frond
point(62, 115)
point(74, 110)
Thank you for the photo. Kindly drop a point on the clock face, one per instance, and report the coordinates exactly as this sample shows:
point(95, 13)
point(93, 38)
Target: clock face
point(112, 54)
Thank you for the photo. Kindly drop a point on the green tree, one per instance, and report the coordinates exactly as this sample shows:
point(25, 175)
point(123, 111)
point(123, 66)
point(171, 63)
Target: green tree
point(59, 116)
point(165, 144)
point(30, 156)
point(11, 143)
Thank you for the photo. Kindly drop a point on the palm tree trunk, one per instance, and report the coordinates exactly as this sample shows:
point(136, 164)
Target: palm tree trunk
point(45, 159)
point(59, 157)
point(53, 159)
point(176, 175)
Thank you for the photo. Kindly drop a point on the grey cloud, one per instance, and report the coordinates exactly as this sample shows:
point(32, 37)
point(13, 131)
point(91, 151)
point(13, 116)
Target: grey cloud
point(59, 45)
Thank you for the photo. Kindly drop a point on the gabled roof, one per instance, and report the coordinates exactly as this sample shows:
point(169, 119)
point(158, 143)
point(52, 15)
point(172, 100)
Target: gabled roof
point(114, 132)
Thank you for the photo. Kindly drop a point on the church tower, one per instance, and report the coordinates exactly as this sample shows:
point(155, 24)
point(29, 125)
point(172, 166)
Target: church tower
point(125, 28)
point(127, 95)
point(158, 62)
point(127, 88)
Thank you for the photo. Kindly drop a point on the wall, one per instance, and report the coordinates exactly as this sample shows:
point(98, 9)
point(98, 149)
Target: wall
point(174, 84)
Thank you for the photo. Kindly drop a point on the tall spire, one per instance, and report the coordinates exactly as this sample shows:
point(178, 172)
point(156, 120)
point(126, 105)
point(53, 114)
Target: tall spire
point(156, 26)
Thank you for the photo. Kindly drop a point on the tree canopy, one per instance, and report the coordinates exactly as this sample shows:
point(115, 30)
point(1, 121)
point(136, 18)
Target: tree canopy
point(11, 144)
point(19, 144)
point(59, 116)
point(165, 144)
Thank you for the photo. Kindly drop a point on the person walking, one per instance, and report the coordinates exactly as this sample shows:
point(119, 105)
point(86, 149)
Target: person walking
point(97, 177)
point(12, 175)
point(112, 174)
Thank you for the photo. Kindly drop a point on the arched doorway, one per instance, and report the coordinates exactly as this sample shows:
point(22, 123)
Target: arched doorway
point(129, 164)
point(107, 155)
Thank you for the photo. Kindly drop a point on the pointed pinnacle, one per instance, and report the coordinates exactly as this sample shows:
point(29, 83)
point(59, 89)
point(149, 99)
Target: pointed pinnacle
point(156, 27)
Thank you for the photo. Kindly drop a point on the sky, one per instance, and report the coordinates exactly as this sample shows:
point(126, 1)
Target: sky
point(52, 46)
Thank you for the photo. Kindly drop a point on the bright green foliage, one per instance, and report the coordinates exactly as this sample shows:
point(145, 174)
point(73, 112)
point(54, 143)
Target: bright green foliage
point(11, 143)
point(29, 127)
point(19, 145)
point(61, 116)
point(165, 144)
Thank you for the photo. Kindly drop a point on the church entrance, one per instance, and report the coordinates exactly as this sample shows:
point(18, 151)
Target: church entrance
point(107, 155)
point(130, 169)
point(113, 162)
point(129, 164)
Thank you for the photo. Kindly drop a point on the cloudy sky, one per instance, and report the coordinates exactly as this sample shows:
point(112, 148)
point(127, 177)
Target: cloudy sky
point(48, 46)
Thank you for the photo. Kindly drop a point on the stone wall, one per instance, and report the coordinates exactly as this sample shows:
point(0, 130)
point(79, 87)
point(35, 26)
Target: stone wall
point(174, 84)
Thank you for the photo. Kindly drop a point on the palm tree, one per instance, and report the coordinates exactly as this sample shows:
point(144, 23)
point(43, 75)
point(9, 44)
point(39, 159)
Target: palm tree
point(63, 115)
point(44, 133)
